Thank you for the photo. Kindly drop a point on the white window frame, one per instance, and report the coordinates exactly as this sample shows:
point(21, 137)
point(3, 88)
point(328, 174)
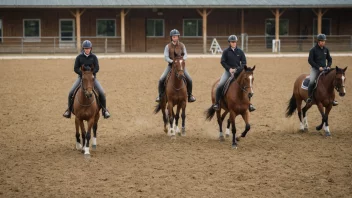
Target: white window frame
point(154, 28)
point(316, 20)
point(74, 31)
point(32, 38)
point(2, 30)
point(288, 26)
point(183, 27)
point(96, 27)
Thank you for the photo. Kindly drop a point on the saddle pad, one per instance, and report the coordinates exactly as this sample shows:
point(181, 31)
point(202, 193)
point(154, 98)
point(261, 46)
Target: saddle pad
point(227, 85)
point(306, 81)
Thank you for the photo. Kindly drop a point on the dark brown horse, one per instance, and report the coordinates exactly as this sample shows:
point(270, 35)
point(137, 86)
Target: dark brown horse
point(85, 107)
point(323, 97)
point(235, 101)
point(176, 95)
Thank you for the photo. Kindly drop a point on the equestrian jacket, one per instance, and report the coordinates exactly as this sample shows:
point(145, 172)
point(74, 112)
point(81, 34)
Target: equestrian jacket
point(318, 56)
point(172, 50)
point(87, 60)
point(233, 58)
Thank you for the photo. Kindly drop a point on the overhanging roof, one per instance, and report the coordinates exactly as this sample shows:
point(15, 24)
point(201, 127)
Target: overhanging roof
point(175, 3)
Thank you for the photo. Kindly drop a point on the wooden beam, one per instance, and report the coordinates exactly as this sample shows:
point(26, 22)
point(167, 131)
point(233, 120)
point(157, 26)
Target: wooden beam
point(242, 21)
point(126, 13)
point(204, 30)
point(320, 16)
point(211, 10)
point(122, 15)
point(82, 11)
point(325, 12)
point(73, 14)
point(315, 12)
point(272, 11)
point(199, 12)
point(277, 28)
point(78, 30)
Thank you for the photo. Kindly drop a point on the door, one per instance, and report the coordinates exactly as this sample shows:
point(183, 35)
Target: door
point(137, 32)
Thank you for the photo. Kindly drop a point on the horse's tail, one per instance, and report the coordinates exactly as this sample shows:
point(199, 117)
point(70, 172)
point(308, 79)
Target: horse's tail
point(292, 106)
point(209, 114)
point(157, 108)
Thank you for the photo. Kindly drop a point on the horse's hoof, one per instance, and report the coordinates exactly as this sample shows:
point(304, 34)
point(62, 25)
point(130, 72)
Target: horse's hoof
point(179, 134)
point(173, 137)
point(234, 146)
point(227, 135)
point(165, 130)
point(328, 135)
point(87, 156)
point(78, 146)
point(305, 130)
point(238, 138)
point(221, 138)
point(94, 147)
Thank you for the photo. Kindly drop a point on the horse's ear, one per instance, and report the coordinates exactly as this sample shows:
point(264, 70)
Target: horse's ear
point(337, 68)
point(344, 70)
point(82, 68)
point(245, 67)
point(253, 68)
point(92, 67)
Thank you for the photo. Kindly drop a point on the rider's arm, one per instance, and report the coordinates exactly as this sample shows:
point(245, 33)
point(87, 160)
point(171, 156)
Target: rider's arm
point(243, 59)
point(328, 57)
point(166, 54)
point(311, 59)
point(96, 65)
point(77, 67)
point(224, 60)
point(184, 52)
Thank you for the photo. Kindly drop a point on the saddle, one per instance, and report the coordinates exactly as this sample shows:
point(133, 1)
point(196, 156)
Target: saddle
point(306, 81)
point(227, 84)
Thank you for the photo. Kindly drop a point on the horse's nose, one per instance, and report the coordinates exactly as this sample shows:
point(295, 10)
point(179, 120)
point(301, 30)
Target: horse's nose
point(342, 94)
point(250, 95)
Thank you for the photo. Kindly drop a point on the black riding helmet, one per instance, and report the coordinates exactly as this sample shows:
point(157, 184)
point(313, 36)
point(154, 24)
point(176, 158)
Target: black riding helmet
point(232, 38)
point(87, 44)
point(174, 32)
point(321, 37)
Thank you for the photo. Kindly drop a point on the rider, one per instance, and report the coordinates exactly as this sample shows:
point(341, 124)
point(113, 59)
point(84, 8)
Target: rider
point(86, 57)
point(169, 54)
point(317, 59)
point(233, 59)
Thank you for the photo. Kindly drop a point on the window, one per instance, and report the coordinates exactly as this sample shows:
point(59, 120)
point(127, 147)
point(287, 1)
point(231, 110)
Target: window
point(67, 30)
point(155, 27)
point(31, 29)
point(325, 26)
point(192, 27)
point(106, 27)
point(270, 30)
point(0, 30)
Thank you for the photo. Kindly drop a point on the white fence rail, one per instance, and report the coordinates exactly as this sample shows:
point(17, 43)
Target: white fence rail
point(249, 43)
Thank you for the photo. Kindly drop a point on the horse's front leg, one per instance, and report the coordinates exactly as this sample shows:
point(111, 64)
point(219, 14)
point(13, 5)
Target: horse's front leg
point(321, 110)
point(83, 133)
point(183, 116)
point(165, 117)
point(177, 116)
point(234, 140)
point(88, 135)
point(78, 140)
point(326, 127)
point(171, 119)
point(245, 117)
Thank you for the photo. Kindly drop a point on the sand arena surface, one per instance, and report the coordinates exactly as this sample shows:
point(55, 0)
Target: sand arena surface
point(135, 158)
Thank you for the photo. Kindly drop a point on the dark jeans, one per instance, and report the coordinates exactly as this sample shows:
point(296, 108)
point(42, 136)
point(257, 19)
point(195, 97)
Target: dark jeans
point(98, 87)
point(162, 79)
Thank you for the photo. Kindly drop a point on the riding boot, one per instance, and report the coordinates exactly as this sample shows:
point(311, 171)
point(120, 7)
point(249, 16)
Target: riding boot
point(104, 111)
point(310, 93)
point(68, 111)
point(191, 98)
point(161, 88)
point(216, 106)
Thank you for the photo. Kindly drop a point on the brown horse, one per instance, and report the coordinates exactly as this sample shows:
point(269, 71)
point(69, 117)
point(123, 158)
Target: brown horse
point(323, 97)
point(235, 101)
point(85, 107)
point(176, 95)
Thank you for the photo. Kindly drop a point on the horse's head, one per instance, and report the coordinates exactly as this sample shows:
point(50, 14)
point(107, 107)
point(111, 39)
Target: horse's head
point(247, 79)
point(87, 80)
point(179, 66)
point(339, 81)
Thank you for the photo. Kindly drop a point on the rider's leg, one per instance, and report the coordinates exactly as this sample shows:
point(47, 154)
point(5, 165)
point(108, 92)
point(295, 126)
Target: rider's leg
point(102, 98)
point(312, 76)
point(191, 98)
point(226, 75)
point(67, 113)
point(161, 87)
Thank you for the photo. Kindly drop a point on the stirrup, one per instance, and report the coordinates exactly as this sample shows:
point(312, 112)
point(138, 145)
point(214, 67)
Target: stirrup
point(67, 114)
point(216, 107)
point(251, 108)
point(335, 103)
point(106, 114)
point(191, 98)
point(157, 99)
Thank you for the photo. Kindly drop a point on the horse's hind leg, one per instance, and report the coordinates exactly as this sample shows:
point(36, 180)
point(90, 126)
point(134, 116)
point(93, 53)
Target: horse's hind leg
point(305, 118)
point(234, 140)
point(171, 120)
point(88, 135)
point(183, 116)
point(220, 119)
point(177, 116)
point(299, 113)
point(83, 133)
point(228, 127)
point(78, 140)
point(94, 143)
